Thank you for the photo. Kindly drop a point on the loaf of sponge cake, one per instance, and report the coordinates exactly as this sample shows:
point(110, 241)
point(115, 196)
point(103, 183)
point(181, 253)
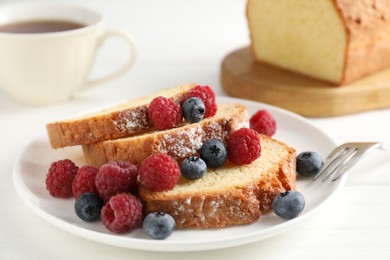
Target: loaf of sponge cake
point(334, 40)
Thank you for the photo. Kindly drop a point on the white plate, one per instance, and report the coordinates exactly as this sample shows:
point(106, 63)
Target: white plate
point(30, 171)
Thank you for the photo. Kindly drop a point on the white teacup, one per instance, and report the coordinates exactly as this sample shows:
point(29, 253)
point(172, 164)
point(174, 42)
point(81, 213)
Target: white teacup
point(45, 68)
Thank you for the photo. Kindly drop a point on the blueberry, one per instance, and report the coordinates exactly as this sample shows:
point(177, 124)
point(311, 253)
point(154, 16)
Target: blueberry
point(193, 168)
point(159, 225)
point(288, 204)
point(193, 110)
point(309, 163)
point(88, 206)
point(214, 153)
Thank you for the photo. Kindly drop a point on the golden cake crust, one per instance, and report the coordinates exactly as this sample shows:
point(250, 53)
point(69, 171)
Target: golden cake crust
point(367, 26)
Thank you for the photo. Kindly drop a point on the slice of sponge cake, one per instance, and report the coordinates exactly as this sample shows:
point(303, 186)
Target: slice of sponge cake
point(229, 195)
point(123, 120)
point(178, 142)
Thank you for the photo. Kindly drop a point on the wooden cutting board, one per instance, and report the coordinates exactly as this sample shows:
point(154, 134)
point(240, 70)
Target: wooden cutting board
point(242, 77)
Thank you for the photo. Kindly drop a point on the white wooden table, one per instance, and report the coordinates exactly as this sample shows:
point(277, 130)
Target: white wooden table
point(184, 41)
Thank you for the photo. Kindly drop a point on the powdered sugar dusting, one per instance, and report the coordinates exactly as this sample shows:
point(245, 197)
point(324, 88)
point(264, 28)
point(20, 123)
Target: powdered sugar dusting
point(188, 141)
point(208, 211)
point(243, 125)
point(131, 124)
point(215, 205)
point(133, 120)
point(183, 143)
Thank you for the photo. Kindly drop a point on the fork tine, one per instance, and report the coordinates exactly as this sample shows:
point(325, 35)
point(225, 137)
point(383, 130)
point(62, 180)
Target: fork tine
point(361, 151)
point(339, 162)
point(333, 158)
point(343, 157)
point(348, 161)
point(337, 151)
point(354, 159)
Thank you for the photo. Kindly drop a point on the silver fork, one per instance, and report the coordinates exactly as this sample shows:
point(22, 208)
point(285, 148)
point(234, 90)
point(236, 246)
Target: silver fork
point(343, 157)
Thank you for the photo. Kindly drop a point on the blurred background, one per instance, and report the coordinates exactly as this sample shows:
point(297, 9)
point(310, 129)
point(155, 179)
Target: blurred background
point(178, 41)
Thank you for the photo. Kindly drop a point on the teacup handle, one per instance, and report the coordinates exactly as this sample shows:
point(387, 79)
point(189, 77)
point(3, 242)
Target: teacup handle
point(132, 55)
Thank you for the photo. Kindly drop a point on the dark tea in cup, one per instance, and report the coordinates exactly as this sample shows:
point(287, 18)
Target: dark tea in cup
point(40, 26)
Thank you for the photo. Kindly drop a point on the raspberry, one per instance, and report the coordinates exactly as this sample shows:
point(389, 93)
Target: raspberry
point(116, 177)
point(122, 213)
point(159, 172)
point(84, 181)
point(164, 113)
point(207, 95)
point(263, 122)
point(243, 146)
point(60, 177)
